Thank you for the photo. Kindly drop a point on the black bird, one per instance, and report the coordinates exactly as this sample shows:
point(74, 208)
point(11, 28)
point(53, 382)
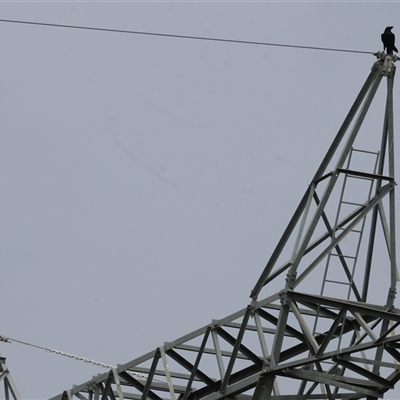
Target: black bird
point(388, 40)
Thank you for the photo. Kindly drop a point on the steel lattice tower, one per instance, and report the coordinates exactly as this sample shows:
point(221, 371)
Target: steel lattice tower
point(321, 333)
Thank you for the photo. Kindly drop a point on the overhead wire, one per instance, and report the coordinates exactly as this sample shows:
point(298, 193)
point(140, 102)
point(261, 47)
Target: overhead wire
point(7, 339)
point(169, 35)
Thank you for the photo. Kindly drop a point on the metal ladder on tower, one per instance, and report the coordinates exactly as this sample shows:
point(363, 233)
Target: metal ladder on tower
point(340, 266)
point(348, 261)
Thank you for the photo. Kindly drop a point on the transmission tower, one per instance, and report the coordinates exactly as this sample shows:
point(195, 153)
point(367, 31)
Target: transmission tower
point(321, 321)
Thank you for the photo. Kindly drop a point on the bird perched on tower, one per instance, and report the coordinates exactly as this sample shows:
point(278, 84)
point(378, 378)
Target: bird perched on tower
point(388, 40)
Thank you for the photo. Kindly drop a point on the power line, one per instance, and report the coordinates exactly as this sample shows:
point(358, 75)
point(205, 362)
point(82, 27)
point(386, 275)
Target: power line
point(7, 339)
point(185, 36)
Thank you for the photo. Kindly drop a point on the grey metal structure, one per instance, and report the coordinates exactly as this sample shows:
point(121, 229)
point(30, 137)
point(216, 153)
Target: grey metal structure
point(10, 390)
point(321, 323)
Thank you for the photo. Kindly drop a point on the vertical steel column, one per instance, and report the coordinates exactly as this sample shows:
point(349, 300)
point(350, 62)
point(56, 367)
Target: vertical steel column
point(167, 372)
point(392, 294)
point(392, 223)
point(370, 249)
point(267, 385)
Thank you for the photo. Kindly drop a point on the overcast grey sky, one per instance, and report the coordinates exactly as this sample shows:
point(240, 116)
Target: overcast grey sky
point(146, 180)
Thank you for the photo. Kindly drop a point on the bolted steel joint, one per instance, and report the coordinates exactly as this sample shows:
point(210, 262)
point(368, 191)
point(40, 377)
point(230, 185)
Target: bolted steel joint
point(291, 279)
point(285, 297)
point(215, 323)
point(388, 65)
point(267, 364)
point(391, 295)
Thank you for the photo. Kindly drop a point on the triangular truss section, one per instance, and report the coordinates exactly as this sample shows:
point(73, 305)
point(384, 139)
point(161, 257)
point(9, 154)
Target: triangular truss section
point(326, 325)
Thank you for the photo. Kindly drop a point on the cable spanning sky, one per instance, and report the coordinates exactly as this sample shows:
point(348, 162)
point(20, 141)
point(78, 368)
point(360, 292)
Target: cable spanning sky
point(175, 36)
